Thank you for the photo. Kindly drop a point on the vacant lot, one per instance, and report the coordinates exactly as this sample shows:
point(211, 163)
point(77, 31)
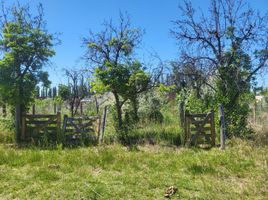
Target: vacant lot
point(114, 172)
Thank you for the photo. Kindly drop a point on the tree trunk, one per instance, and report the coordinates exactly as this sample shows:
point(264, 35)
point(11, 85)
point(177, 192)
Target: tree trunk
point(18, 122)
point(19, 110)
point(72, 110)
point(119, 111)
point(72, 106)
point(135, 106)
point(181, 113)
point(81, 108)
point(103, 124)
point(97, 104)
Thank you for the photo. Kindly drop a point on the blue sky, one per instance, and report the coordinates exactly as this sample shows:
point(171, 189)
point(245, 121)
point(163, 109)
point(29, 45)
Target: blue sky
point(74, 18)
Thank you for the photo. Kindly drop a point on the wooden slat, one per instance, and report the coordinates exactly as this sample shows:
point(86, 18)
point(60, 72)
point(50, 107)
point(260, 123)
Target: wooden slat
point(85, 118)
point(41, 116)
point(195, 115)
point(202, 128)
point(89, 130)
point(197, 122)
point(46, 128)
point(35, 122)
point(58, 126)
point(84, 125)
point(69, 130)
point(213, 131)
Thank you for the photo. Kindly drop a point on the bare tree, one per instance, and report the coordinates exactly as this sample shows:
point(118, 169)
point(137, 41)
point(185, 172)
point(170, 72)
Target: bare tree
point(76, 90)
point(226, 48)
point(230, 25)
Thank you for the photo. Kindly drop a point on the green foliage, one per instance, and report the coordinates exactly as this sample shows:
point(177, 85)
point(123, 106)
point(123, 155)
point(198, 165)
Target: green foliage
point(27, 47)
point(155, 114)
point(195, 104)
point(233, 91)
point(6, 130)
point(64, 92)
point(166, 88)
point(125, 81)
point(151, 104)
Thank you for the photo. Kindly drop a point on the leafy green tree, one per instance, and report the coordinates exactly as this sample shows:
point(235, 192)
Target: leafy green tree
point(126, 82)
point(64, 92)
point(111, 53)
point(27, 47)
point(233, 89)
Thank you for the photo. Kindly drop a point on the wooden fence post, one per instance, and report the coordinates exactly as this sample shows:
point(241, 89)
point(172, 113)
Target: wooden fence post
point(186, 131)
point(55, 108)
point(181, 113)
point(59, 107)
point(58, 126)
point(18, 122)
point(23, 127)
point(222, 127)
point(103, 123)
point(33, 109)
point(64, 124)
point(213, 131)
point(255, 112)
point(81, 108)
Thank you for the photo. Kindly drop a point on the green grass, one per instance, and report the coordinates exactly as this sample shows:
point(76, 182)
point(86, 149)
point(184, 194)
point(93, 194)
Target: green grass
point(114, 172)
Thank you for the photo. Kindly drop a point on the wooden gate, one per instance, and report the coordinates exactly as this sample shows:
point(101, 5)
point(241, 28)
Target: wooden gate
point(34, 126)
point(80, 127)
point(198, 127)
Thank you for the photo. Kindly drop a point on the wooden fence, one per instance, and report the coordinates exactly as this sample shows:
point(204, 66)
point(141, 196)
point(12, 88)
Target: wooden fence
point(198, 127)
point(36, 125)
point(79, 127)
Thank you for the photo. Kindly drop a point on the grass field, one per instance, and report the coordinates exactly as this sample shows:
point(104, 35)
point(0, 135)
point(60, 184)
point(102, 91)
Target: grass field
point(114, 172)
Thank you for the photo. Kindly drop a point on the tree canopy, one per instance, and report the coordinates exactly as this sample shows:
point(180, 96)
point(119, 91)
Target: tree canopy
point(110, 52)
point(26, 48)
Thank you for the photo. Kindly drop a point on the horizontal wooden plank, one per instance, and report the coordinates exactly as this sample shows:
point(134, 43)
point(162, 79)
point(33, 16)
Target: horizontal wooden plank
point(201, 135)
point(33, 126)
point(197, 122)
point(81, 126)
point(84, 125)
point(40, 116)
point(69, 130)
point(196, 115)
point(38, 122)
point(89, 130)
point(37, 127)
point(48, 129)
point(203, 129)
point(84, 118)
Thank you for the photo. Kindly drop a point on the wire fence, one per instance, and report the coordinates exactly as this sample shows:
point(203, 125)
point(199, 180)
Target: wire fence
point(258, 120)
